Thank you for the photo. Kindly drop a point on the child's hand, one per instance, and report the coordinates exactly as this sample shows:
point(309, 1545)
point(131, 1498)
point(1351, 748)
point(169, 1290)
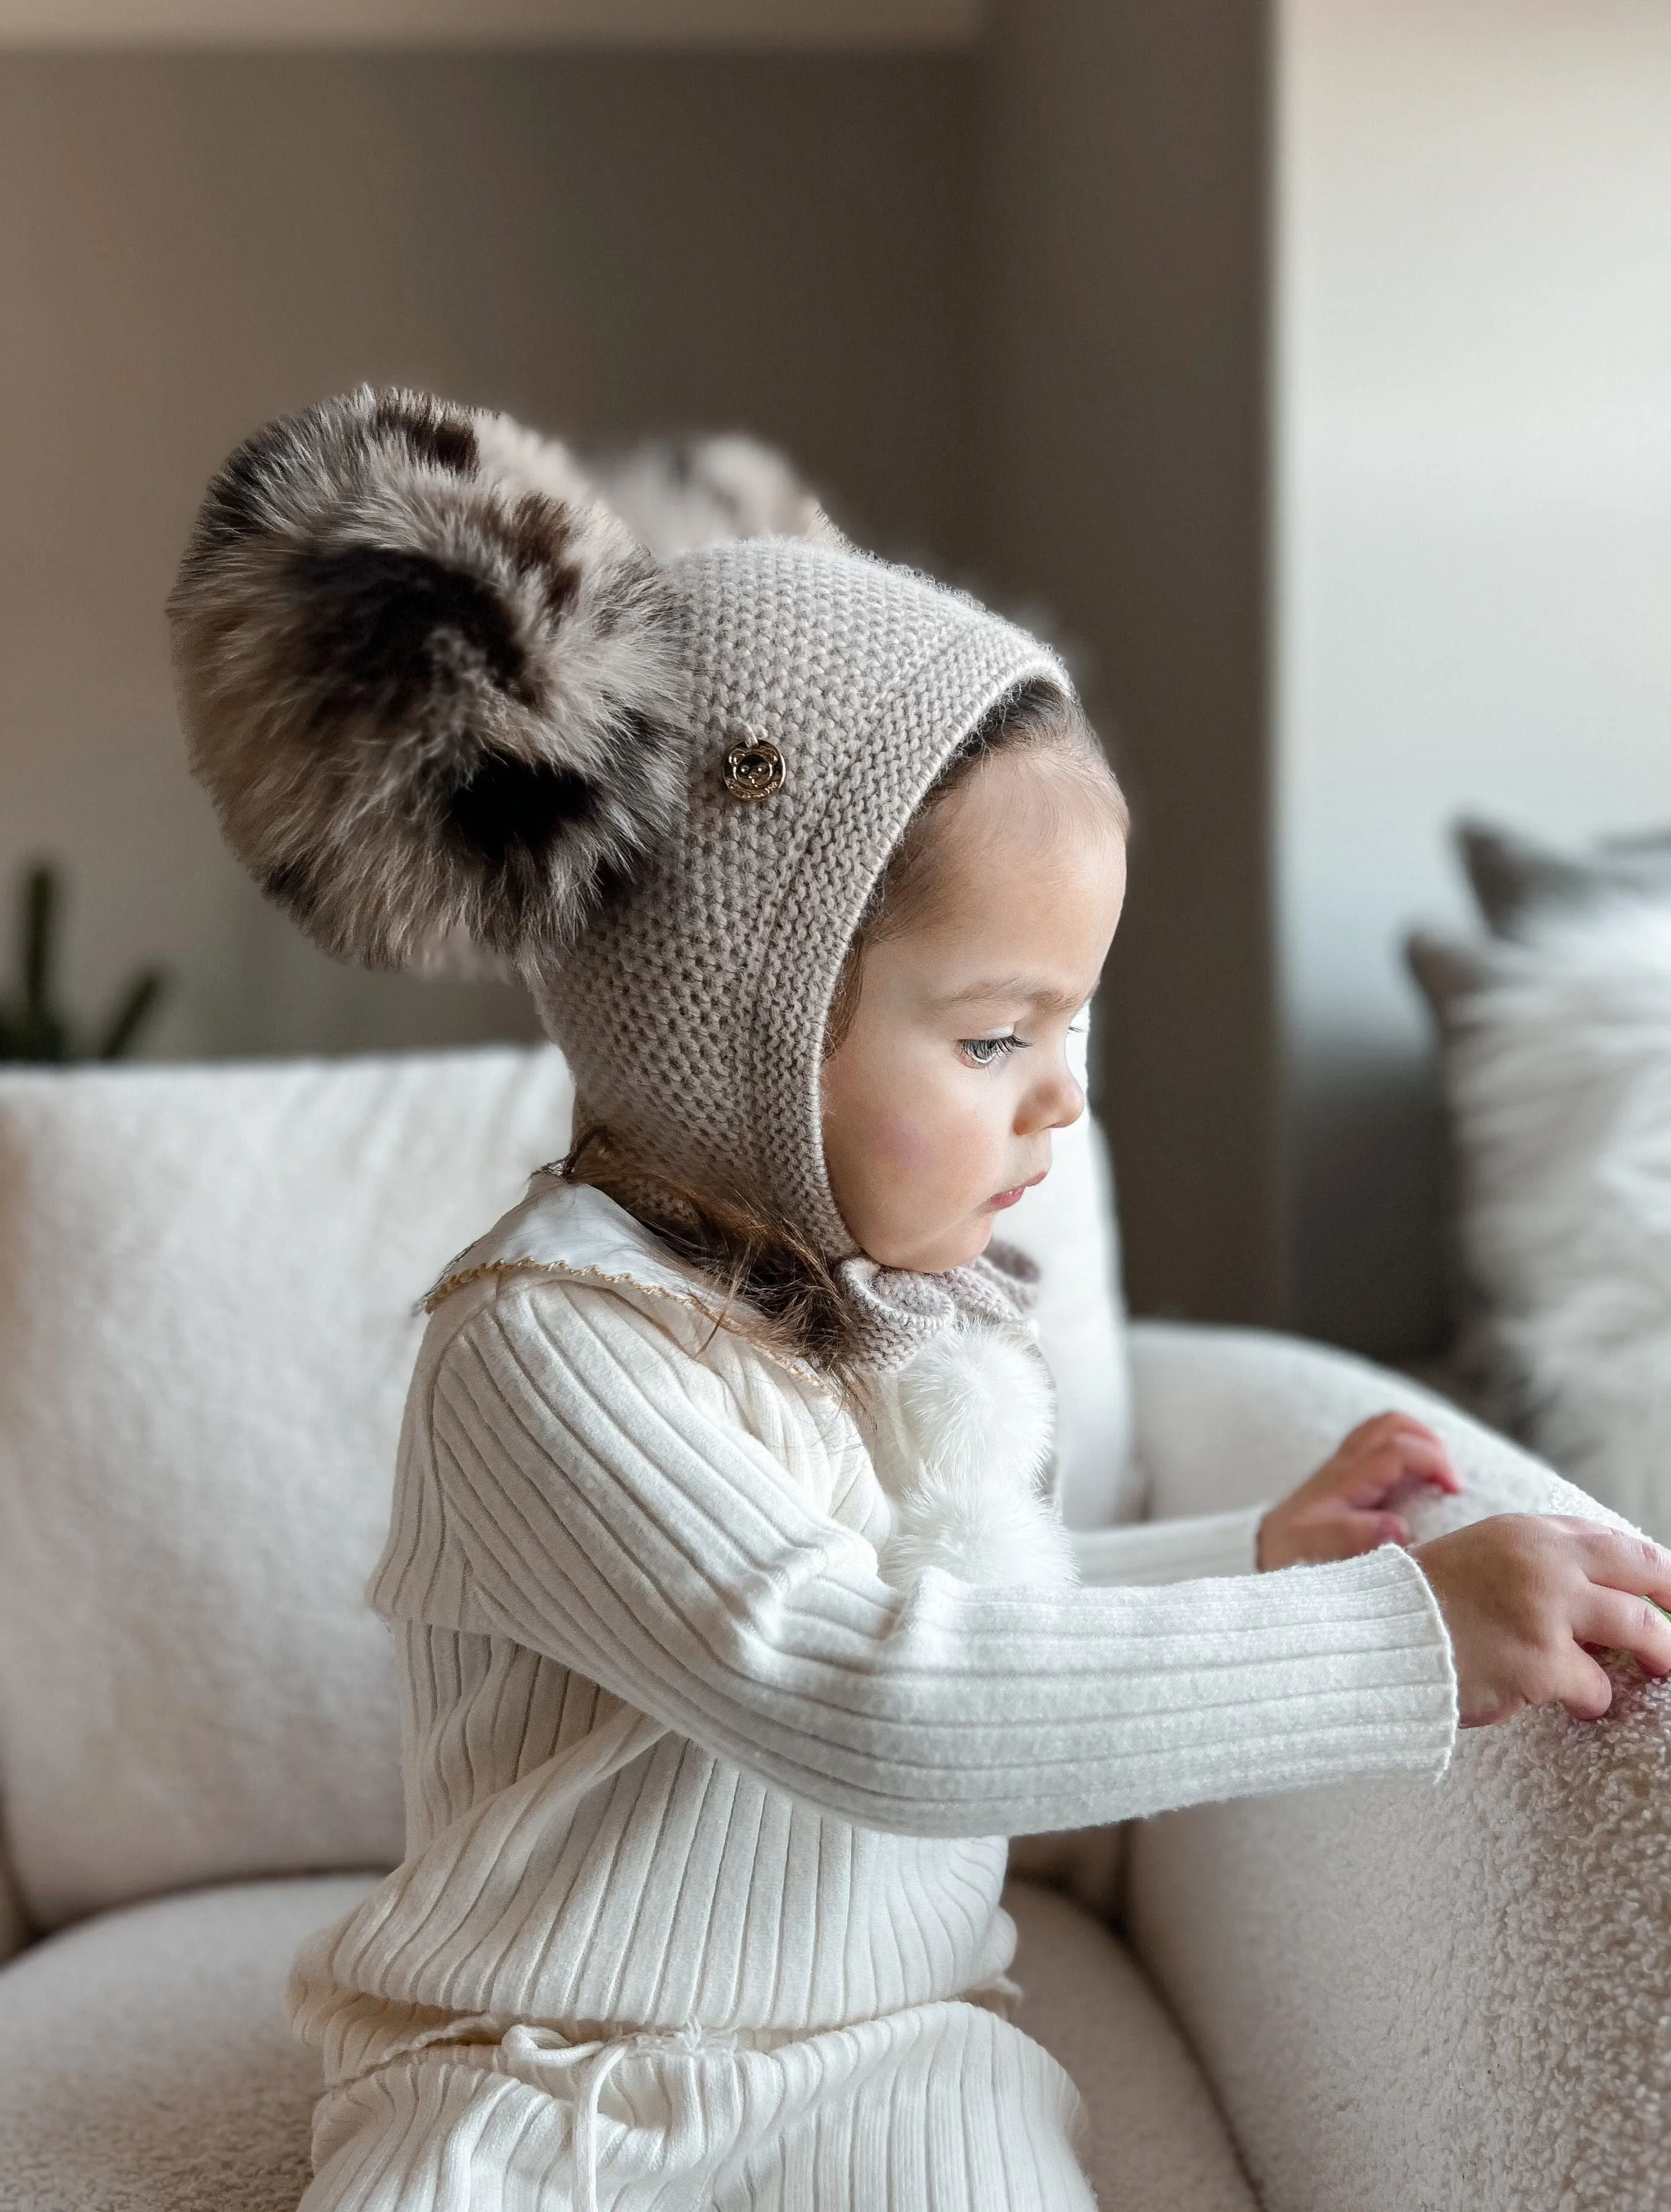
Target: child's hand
point(1522, 1592)
point(1347, 1507)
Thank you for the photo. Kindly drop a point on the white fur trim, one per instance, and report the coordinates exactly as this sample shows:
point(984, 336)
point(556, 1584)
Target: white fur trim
point(969, 1428)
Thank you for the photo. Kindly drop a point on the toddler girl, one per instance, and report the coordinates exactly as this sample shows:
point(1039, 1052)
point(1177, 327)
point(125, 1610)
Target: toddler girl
point(737, 1630)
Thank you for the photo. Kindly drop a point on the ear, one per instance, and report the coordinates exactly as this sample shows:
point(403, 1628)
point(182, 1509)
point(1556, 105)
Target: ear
point(435, 689)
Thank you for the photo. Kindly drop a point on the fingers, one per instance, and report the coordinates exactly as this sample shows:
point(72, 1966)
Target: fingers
point(1332, 1536)
point(1429, 1457)
point(1381, 1466)
point(1615, 1621)
point(1528, 1598)
point(1586, 1689)
point(1381, 1430)
point(1635, 1564)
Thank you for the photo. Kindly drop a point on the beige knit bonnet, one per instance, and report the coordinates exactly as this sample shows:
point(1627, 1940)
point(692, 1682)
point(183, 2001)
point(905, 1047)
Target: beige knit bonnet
point(446, 700)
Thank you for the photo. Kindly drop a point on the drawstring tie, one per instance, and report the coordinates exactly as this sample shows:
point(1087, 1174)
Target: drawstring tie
point(593, 2063)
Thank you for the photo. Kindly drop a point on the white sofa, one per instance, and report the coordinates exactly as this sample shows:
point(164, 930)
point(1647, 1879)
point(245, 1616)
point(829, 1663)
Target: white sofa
point(1368, 1999)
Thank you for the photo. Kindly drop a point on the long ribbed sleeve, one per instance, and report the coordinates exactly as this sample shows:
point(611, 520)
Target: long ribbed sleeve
point(607, 1515)
point(1151, 1552)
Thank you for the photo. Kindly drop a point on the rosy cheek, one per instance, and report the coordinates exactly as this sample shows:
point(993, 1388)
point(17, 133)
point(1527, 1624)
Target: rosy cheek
point(904, 1143)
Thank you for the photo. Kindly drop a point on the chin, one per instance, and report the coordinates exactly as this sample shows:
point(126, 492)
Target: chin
point(955, 1249)
point(929, 1251)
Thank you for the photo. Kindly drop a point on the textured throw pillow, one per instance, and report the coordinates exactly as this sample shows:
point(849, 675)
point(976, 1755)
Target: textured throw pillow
point(207, 1285)
point(1517, 881)
point(1558, 1081)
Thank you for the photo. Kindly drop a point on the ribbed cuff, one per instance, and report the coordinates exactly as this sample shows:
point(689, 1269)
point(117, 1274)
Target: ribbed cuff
point(1449, 1721)
point(1206, 1545)
point(1384, 1676)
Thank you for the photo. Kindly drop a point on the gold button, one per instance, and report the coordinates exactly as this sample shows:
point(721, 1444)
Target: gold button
point(753, 770)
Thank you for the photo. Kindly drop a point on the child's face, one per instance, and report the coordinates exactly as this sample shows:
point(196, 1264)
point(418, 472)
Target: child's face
point(940, 1101)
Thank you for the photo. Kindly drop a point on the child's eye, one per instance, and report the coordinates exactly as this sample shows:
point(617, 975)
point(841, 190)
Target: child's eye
point(981, 1051)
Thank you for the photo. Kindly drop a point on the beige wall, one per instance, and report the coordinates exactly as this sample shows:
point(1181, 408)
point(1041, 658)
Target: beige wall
point(1420, 564)
point(1016, 307)
point(606, 244)
point(1122, 448)
point(773, 24)
point(1473, 577)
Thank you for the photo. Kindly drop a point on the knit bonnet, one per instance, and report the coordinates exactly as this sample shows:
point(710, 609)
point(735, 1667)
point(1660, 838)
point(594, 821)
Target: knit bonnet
point(449, 705)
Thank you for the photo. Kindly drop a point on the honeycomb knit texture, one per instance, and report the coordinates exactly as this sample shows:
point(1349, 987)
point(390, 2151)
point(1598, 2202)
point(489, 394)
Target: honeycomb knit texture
point(693, 1007)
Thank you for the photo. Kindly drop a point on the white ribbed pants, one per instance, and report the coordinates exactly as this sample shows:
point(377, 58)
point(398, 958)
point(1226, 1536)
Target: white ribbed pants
point(942, 2108)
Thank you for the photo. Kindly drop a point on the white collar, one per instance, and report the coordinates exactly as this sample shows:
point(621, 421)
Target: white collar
point(572, 1229)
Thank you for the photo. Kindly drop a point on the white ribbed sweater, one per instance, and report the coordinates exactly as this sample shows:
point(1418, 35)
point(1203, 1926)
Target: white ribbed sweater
point(675, 1751)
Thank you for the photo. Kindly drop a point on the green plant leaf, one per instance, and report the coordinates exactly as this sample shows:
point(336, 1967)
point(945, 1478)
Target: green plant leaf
point(31, 1027)
point(41, 903)
point(132, 1011)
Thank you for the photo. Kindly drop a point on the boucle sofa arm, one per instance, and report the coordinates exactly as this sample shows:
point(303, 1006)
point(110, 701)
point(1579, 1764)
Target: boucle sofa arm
point(1235, 1417)
point(1408, 1994)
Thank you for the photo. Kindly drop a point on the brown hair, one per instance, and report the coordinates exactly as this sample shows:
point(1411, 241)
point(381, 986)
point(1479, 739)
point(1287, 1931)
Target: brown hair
point(1033, 718)
point(794, 1298)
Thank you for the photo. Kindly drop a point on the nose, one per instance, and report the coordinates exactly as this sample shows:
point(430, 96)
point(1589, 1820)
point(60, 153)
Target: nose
point(1054, 1102)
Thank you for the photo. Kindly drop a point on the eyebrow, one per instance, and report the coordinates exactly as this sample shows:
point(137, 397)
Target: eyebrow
point(1025, 988)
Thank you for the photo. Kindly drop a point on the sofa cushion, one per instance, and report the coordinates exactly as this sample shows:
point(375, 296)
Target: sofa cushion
point(207, 1287)
point(1157, 2142)
point(145, 2065)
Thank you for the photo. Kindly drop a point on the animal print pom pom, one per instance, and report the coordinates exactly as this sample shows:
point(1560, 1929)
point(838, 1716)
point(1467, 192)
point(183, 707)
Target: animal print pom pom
point(434, 688)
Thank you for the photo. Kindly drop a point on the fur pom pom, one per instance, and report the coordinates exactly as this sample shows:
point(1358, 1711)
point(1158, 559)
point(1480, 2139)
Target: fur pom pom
point(677, 493)
point(971, 1421)
point(434, 688)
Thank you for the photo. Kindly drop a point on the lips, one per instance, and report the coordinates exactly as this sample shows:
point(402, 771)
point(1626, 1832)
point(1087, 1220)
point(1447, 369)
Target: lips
point(1013, 1197)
